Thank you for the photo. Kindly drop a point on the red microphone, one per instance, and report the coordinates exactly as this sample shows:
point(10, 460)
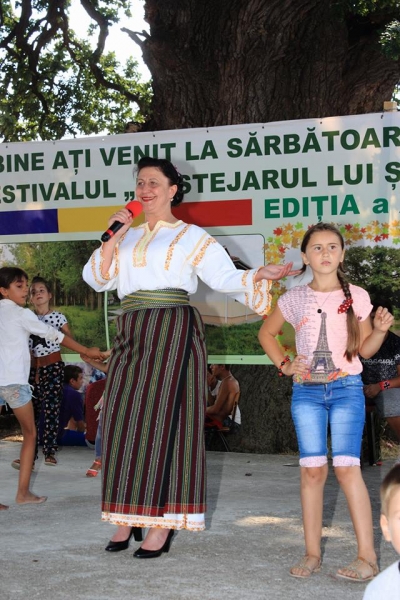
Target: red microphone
point(134, 207)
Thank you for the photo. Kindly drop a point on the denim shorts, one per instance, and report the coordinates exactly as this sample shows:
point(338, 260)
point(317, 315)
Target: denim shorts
point(16, 395)
point(339, 404)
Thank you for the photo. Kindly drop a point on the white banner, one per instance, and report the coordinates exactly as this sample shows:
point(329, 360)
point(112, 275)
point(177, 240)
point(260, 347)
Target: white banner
point(268, 179)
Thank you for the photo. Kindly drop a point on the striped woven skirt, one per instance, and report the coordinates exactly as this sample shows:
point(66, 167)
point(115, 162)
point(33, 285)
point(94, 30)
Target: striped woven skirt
point(153, 428)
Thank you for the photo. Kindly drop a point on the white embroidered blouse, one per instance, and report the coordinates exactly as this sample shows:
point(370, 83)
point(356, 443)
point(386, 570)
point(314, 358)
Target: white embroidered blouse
point(174, 255)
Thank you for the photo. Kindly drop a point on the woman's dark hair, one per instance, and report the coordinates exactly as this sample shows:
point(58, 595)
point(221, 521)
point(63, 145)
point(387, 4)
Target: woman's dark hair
point(353, 329)
point(10, 274)
point(38, 279)
point(168, 169)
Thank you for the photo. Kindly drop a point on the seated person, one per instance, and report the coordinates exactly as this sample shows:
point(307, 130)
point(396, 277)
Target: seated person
point(219, 414)
point(381, 376)
point(72, 426)
point(213, 385)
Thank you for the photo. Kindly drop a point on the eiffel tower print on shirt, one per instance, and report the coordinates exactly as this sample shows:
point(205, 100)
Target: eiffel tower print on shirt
point(322, 368)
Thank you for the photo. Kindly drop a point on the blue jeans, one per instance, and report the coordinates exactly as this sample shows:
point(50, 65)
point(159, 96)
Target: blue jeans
point(97, 443)
point(340, 404)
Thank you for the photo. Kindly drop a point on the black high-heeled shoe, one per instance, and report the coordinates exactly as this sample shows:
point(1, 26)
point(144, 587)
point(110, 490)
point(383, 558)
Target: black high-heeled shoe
point(136, 532)
point(141, 553)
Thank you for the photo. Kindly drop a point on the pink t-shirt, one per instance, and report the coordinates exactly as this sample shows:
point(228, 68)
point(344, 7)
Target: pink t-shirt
point(322, 336)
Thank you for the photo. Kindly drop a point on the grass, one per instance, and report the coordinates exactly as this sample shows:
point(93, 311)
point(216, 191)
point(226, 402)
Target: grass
point(389, 449)
point(87, 325)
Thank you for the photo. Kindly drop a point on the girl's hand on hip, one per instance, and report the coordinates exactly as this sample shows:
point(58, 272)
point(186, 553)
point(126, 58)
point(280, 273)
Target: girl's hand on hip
point(298, 366)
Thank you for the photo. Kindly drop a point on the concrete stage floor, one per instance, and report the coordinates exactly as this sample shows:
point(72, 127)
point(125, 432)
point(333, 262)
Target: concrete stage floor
point(55, 551)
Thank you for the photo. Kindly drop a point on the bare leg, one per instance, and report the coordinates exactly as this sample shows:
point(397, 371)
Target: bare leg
point(25, 417)
point(155, 538)
point(121, 534)
point(312, 490)
point(354, 488)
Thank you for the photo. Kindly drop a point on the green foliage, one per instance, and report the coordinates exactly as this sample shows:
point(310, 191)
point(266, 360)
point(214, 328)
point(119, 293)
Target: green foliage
point(379, 15)
point(60, 263)
point(377, 270)
point(233, 339)
point(87, 326)
point(367, 8)
point(390, 40)
point(53, 84)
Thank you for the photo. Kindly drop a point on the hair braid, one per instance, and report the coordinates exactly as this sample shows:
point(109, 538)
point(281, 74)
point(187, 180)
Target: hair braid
point(353, 329)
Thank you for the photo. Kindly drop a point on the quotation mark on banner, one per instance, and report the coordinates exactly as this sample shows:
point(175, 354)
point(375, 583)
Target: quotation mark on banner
point(129, 196)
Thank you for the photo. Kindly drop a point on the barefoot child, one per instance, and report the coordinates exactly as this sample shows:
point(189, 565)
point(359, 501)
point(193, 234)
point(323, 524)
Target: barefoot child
point(332, 325)
point(47, 372)
point(16, 325)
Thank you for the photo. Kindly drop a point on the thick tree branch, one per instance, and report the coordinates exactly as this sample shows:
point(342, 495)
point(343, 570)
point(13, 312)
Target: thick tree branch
point(103, 24)
point(134, 35)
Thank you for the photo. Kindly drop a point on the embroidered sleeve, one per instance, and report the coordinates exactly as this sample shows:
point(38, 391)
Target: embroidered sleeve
point(257, 294)
point(215, 267)
point(203, 249)
point(96, 263)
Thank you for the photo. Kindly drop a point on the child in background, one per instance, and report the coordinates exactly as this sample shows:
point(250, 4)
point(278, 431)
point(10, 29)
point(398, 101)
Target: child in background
point(16, 325)
point(47, 373)
point(387, 584)
point(332, 325)
point(95, 467)
point(381, 376)
point(72, 425)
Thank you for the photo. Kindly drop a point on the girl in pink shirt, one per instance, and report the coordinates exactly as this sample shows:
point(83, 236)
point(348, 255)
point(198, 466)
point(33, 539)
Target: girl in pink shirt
point(332, 326)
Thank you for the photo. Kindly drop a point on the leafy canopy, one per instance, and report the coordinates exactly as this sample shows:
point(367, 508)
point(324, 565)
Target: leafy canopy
point(53, 84)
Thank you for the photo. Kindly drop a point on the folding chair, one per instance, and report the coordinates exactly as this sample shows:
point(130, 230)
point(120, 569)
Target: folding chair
point(372, 442)
point(224, 432)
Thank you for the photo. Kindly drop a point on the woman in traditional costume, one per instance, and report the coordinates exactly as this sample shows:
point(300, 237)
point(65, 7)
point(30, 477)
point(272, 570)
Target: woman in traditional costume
point(155, 397)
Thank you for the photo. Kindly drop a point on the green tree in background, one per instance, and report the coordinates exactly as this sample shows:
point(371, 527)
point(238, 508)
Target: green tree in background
point(214, 62)
point(53, 83)
point(376, 269)
point(60, 263)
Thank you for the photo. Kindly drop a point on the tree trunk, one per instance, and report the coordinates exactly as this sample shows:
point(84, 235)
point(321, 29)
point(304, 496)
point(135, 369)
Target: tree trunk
point(222, 62)
point(265, 398)
point(100, 300)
